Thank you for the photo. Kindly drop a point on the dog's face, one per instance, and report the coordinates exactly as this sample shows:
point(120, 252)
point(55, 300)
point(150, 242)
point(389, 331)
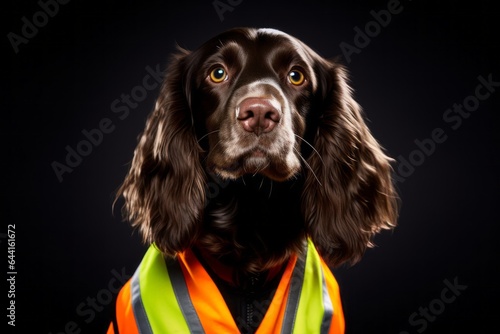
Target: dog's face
point(258, 101)
point(252, 93)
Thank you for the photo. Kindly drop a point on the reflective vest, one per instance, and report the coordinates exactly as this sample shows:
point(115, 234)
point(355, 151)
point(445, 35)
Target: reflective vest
point(178, 296)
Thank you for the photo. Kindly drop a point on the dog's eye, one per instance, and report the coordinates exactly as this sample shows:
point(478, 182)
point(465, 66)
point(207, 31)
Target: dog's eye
point(218, 75)
point(296, 77)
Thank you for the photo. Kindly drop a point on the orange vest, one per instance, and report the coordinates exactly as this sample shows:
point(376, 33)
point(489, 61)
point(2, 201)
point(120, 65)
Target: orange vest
point(178, 296)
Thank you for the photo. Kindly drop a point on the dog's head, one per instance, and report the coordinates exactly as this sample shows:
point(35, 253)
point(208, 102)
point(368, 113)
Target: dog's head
point(251, 93)
point(258, 101)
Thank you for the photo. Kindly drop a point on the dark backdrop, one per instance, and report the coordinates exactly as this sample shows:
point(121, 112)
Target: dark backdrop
point(63, 81)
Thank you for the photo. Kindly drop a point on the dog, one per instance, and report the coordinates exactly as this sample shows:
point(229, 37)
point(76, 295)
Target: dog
point(255, 160)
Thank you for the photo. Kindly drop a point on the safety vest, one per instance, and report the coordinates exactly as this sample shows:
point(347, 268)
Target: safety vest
point(178, 296)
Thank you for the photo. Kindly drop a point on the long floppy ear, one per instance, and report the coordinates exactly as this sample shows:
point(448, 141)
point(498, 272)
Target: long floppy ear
point(348, 194)
point(164, 190)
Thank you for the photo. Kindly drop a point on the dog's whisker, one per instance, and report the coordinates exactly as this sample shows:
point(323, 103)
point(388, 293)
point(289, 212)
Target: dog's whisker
point(261, 167)
point(200, 139)
point(261, 183)
point(270, 190)
point(208, 134)
point(311, 146)
point(309, 167)
point(205, 158)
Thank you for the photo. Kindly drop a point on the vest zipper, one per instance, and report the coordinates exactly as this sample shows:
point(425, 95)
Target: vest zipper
point(250, 301)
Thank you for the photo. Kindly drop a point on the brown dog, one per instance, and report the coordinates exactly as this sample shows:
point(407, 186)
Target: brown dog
point(256, 146)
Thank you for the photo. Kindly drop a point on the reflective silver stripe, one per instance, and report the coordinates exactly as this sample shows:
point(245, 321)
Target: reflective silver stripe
point(183, 299)
point(141, 318)
point(292, 303)
point(327, 306)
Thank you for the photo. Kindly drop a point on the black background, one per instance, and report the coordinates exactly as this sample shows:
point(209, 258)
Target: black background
point(63, 81)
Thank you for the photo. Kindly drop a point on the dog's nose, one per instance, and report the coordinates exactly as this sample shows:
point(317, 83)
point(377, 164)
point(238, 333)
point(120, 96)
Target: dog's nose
point(258, 115)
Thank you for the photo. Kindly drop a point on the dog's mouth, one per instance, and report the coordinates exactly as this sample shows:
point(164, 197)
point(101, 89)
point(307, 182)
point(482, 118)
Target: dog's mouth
point(257, 153)
point(256, 161)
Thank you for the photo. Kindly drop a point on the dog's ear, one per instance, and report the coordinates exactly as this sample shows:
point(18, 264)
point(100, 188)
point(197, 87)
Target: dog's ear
point(348, 194)
point(164, 191)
